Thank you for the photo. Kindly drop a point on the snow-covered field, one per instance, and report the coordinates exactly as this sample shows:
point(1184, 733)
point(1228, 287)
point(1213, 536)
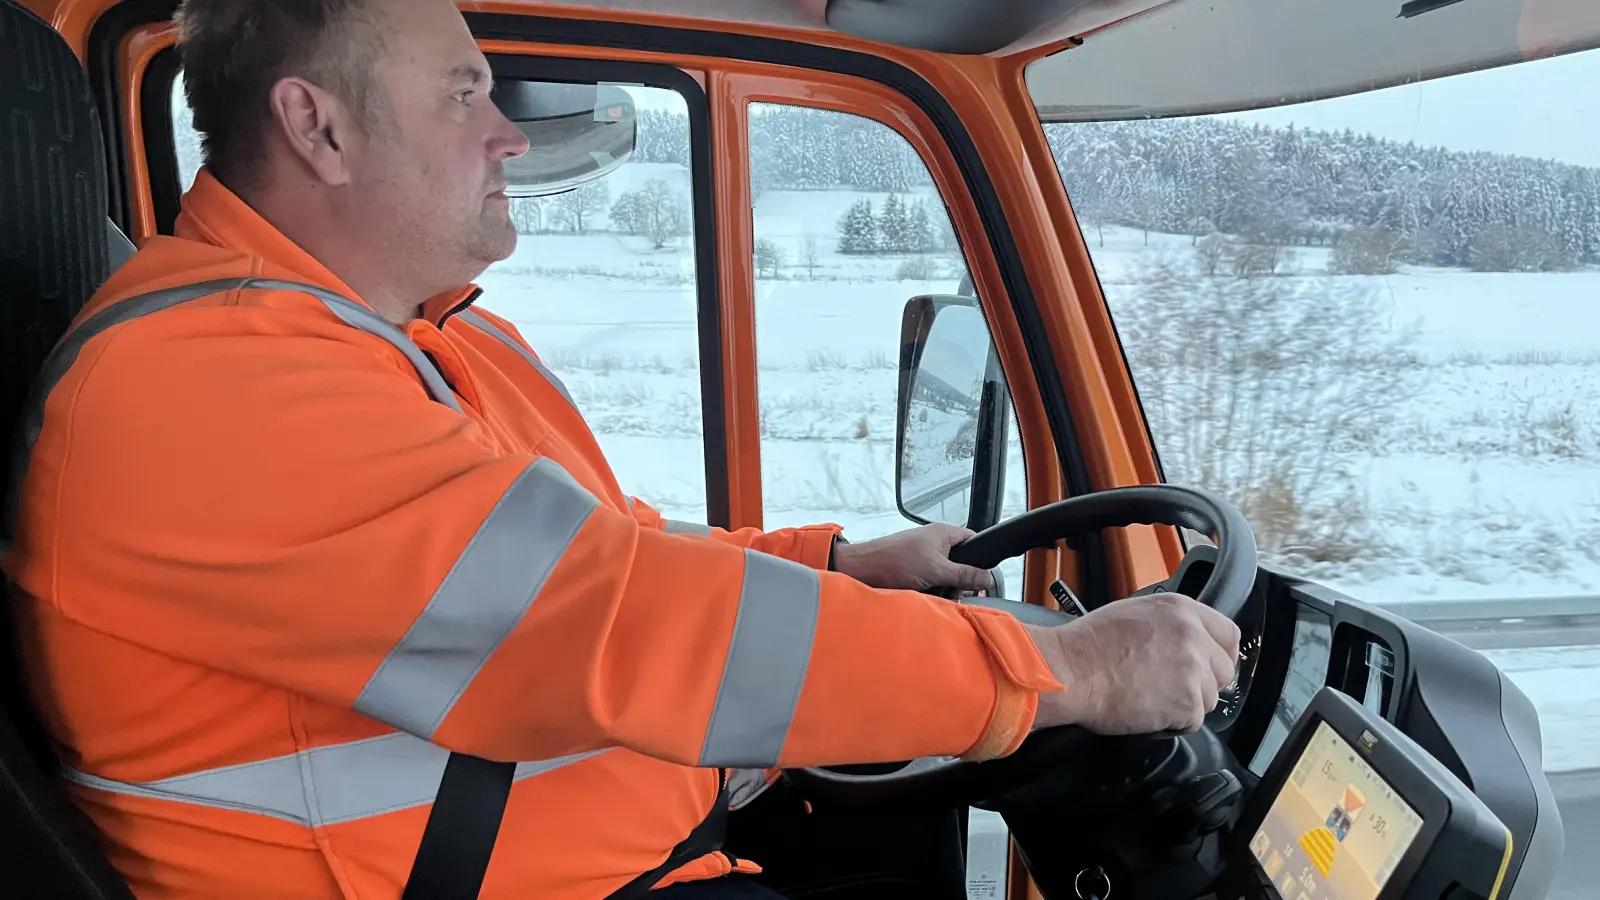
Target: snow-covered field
point(1488, 485)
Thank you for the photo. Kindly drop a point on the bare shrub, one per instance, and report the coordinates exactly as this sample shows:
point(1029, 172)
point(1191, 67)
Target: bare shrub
point(1244, 259)
point(810, 257)
point(577, 209)
point(878, 359)
point(528, 214)
point(823, 360)
point(1555, 432)
point(770, 258)
point(870, 490)
point(1524, 248)
point(1210, 251)
point(655, 211)
point(1368, 251)
point(591, 395)
point(1268, 391)
point(917, 268)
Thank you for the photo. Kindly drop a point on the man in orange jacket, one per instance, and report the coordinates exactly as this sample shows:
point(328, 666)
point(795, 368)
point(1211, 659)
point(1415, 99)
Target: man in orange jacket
point(296, 521)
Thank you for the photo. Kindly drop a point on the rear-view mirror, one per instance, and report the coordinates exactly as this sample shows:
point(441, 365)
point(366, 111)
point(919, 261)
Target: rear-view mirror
point(953, 411)
point(577, 133)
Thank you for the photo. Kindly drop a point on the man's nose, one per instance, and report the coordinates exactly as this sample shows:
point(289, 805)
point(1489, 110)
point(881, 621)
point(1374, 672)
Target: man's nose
point(507, 140)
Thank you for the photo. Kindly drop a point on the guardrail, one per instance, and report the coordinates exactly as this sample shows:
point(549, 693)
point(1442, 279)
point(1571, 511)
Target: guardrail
point(1500, 624)
point(1576, 785)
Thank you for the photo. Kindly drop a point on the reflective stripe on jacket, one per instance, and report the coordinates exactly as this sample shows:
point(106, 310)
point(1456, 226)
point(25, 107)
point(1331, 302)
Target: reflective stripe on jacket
point(278, 557)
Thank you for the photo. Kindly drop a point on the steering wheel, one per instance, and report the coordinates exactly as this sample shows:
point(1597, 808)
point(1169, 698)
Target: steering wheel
point(944, 782)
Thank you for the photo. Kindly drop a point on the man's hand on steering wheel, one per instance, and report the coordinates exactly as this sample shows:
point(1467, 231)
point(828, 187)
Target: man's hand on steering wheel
point(1143, 665)
point(913, 560)
point(1150, 666)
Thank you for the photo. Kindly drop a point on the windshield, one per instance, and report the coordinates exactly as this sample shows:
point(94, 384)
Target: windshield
point(1373, 322)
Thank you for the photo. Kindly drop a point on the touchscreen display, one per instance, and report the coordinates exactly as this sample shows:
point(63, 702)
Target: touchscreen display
point(1336, 831)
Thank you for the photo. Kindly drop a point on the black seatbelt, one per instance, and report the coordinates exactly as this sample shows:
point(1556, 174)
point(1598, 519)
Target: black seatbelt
point(707, 837)
point(465, 821)
point(462, 826)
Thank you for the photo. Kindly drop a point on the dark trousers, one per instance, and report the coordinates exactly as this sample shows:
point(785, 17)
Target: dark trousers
point(837, 855)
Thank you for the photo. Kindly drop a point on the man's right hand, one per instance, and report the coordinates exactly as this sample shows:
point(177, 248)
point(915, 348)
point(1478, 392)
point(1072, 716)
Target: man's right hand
point(1138, 666)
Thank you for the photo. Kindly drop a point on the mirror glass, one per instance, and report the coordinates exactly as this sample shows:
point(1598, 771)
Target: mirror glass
point(941, 428)
point(577, 133)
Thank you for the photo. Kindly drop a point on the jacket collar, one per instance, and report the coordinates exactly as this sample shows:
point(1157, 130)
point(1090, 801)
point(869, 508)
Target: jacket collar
point(213, 214)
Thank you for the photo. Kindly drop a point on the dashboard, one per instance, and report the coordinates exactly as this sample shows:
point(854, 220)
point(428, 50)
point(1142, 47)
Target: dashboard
point(1310, 655)
point(1354, 809)
point(1371, 759)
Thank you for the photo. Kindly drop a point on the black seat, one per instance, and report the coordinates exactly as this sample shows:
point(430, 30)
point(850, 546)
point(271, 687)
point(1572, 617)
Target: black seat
point(53, 255)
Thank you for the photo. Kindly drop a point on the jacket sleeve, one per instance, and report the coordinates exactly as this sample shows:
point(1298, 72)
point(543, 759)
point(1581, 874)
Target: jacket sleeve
point(297, 512)
point(810, 546)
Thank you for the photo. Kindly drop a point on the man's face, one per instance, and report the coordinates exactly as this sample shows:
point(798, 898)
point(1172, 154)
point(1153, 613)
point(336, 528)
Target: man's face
point(428, 181)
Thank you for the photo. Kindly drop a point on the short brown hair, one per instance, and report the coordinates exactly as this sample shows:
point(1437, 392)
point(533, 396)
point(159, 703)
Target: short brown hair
point(234, 51)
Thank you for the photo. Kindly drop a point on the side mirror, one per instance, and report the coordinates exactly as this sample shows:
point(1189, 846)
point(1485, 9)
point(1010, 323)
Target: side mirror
point(950, 441)
point(577, 133)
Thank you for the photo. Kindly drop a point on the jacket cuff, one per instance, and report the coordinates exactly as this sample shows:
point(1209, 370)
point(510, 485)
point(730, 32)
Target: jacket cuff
point(1020, 675)
point(815, 546)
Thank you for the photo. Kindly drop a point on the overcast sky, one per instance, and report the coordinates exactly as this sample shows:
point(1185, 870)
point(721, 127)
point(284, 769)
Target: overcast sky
point(1548, 109)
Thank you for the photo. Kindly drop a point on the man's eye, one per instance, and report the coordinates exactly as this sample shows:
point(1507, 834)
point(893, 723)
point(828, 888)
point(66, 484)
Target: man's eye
point(464, 96)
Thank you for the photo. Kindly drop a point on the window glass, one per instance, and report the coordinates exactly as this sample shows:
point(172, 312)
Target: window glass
point(603, 286)
point(848, 227)
point(1373, 322)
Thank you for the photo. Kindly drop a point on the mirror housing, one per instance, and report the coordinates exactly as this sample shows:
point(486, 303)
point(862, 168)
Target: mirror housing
point(577, 133)
point(952, 416)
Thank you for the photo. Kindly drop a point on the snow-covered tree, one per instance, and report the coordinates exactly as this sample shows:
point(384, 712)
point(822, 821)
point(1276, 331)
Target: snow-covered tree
point(810, 256)
point(1293, 186)
point(894, 226)
point(528, 214)
point(921, 233)
point(577, 209)
point(655, 211)
point(661, 136)
point(858, 229)
point(770, 258)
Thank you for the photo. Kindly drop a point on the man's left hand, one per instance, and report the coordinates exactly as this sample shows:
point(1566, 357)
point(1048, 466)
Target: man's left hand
point(913, 560)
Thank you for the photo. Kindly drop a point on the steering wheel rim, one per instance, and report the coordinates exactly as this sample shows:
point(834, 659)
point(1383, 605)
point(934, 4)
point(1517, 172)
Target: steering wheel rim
point(946, 781)
point(1226, 591)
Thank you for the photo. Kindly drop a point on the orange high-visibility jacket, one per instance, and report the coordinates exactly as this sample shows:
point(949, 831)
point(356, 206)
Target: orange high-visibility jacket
point(277, 557)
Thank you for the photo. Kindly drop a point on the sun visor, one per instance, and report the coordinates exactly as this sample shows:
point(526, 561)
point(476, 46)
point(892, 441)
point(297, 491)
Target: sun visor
point(1199, 57)
point(577, 133)
point(946, 26)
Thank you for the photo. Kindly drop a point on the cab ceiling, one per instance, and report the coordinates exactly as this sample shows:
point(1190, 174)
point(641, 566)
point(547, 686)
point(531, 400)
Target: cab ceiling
point(1211, 56)
point(1022, 28)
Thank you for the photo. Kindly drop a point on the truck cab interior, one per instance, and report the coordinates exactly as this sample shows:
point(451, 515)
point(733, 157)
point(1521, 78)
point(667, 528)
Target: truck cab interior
point(1359, 754)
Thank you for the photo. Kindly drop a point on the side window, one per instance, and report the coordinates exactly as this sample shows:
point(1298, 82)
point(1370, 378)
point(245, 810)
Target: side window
point(603, 284)
point(848, 228)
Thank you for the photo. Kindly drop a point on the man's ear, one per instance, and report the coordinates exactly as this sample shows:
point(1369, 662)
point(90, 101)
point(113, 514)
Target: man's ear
point(315, 126)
